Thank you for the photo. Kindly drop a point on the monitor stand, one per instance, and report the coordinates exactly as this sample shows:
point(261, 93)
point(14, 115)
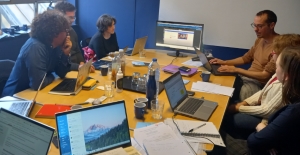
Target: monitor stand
point(176, 54)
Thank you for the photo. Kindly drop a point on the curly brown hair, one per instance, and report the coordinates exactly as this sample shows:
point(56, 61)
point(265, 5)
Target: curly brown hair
point(46, 26)
point(282, 41)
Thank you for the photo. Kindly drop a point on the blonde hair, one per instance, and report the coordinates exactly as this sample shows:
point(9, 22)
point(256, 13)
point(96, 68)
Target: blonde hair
point(285, 40)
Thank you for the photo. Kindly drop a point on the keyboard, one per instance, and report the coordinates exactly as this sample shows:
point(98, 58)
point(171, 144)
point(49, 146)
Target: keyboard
point(191, 106)
point(19, 107)
point(66, 85)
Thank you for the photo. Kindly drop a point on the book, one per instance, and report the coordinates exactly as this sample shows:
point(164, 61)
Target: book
point(173, 69)
point(49, 110)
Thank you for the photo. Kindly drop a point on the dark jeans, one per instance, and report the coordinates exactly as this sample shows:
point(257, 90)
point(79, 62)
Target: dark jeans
point(240, 125)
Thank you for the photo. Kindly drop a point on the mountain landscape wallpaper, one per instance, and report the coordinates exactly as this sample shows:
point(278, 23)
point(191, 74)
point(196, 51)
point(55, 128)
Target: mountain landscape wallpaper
point(98, 136)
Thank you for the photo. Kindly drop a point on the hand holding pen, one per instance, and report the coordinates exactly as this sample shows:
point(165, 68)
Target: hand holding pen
point(197, 127)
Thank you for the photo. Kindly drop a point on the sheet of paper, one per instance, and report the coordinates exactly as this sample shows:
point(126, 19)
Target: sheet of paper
point(142, 124)
point(212, 88)
point(117, 151)
point(193, 63)
point(140, 149)
point(165, 147)
point(156, 132)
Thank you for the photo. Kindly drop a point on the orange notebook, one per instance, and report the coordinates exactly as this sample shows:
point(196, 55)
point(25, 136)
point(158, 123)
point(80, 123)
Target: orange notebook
point(49, 110)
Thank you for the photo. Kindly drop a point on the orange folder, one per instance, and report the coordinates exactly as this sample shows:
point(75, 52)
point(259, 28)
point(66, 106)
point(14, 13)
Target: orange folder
point(49, 110)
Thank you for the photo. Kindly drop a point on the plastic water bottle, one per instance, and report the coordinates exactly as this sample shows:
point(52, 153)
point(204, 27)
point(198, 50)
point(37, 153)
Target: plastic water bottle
point(153, 74)
point(119, 81)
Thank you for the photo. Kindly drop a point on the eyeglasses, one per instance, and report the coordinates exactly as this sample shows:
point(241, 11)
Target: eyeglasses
point(259, 26)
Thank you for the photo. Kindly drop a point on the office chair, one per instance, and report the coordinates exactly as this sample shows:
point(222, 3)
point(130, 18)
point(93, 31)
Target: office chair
point(5, 69)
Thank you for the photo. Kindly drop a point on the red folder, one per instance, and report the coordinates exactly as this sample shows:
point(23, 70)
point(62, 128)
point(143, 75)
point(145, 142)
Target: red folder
point(49, 110)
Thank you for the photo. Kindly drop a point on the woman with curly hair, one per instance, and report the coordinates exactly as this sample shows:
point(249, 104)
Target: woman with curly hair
point(46, 51)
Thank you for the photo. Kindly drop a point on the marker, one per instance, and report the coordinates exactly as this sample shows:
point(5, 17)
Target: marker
point(197, 127)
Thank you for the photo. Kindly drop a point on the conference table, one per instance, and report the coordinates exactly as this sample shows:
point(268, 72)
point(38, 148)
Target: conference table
point(163, 59)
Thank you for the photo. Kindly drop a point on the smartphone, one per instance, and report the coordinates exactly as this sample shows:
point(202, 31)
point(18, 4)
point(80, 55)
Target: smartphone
point(184, 69)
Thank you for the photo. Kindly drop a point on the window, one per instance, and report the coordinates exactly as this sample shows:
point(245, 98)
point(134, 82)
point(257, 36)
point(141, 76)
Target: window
point(20, 14)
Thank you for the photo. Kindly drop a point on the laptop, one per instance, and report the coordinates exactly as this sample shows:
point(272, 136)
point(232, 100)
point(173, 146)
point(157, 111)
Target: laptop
point(139, 45)
point(181, 103)
point(21, 107)
point(21, 135)
point(93, 129)
point(213, 68)
point(71, 86)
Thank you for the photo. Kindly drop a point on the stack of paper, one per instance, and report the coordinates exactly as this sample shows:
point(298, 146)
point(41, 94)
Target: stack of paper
point(212, 88)
point(193, 63)
point(208, 129)
point(159, 139)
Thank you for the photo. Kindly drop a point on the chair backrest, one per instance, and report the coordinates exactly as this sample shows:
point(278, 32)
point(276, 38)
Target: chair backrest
point(5, 69)
point(85, 42)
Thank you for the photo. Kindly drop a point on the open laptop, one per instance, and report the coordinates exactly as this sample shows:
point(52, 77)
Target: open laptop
point(94, 129)
point(71, 86)
point(139, 45)
point(181, 103)
point(21, 135)
point(213, 68)
point(21, 107)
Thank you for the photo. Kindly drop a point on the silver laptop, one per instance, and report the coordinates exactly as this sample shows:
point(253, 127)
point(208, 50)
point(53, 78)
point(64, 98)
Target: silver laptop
point(23, 136)
point(138, 45)
point(71, 86)
point(94, 129)
point(21, 107)
point(181, 103)
point(213, 68)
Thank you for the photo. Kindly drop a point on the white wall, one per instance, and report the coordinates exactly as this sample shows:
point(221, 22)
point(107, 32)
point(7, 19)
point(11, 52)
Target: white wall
point(227, 22)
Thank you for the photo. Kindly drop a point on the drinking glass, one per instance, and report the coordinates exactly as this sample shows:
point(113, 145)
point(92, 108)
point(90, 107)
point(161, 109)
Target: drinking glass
point(109, 88)
point(157, 108)
point(135, 78)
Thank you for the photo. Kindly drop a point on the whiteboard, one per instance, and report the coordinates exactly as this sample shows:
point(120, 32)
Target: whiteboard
point(227, 22)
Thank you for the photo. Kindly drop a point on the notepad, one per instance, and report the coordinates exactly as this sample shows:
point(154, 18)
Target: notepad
point(49, 110)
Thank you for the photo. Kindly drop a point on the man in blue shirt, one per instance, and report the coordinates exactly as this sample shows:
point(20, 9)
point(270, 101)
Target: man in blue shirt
point(45, 52)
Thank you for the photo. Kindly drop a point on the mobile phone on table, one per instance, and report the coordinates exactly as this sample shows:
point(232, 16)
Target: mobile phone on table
point(184, 69)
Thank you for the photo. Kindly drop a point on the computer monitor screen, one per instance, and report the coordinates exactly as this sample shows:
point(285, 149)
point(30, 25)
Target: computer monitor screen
point(179, 36)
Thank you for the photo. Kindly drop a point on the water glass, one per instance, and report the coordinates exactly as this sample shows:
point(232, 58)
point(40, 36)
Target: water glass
point(109, 68)
point(142, 53)
point(135, 78)
point(109, 87)
point(142, 83)
point(157, 108)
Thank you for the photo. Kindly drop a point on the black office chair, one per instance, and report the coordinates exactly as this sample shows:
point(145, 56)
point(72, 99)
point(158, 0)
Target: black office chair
point(85, 42)
point(5, 69)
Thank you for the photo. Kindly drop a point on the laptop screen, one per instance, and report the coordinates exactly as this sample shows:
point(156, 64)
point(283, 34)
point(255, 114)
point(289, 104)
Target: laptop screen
point(22, 135)
point(93, 129)
point(175, 89)
point(204, 60)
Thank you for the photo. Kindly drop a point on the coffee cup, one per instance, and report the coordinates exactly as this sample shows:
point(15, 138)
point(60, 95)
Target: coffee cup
point(104, 70)
point(143, 100)
point(139, 110)
point(205, 75)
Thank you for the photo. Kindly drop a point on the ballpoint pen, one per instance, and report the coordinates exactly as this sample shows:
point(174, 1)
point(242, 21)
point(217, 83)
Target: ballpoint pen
point(197, 127)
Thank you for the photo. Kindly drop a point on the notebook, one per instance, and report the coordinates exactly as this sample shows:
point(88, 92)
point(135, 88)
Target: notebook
point(181, 103)
point(21, 107)
point(49, 110)
point(22, 135)
point(173, 69)
point(138, 45)
point(213, 68)
point(71, 86)
point(94, 129)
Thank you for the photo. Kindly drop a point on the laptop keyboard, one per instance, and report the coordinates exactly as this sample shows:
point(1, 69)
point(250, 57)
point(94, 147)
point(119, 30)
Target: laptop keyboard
point(19, 107)
point(66, 85)
point(191, 106)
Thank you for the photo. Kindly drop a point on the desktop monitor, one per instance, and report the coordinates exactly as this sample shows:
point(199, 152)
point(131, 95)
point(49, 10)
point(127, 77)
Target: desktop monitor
point(178, 36)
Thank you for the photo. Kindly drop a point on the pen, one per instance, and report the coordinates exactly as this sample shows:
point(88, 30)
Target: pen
point(197, 127)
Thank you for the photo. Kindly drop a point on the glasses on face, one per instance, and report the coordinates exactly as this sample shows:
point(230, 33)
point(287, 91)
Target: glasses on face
point(259, 26)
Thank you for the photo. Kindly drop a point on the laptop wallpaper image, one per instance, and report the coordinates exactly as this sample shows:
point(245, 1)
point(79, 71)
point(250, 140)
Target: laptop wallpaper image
point(109, 129)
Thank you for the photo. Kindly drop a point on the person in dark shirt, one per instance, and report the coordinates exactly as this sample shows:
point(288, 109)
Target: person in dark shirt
point(45, 52)
point(69, 11)
point(281, 135)
point(105, 39)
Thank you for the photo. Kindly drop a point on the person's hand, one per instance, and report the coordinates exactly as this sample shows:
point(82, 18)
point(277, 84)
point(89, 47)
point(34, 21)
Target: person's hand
point(260, 126)
point(232, 109)
point(92, 69)
point(81, 63)
point(226, 68)
point(66, 48)
point(217, 61)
